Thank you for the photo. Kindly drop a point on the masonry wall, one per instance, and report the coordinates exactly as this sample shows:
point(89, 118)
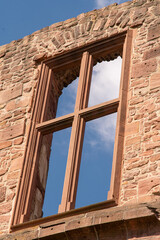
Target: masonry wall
point(19, 73)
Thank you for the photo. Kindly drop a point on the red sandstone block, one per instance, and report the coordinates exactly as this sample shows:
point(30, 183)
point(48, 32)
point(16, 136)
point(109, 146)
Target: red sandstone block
point(5, 208)
point(61, 39)
point(132, 141)
point(2, 193)
point(10, 93)
point(55, 42)
point(79, 222)
point(151, 145)
point(155, 157)
point(153, 32)
point(155, 81)
point(39, 57)
point(137, 164)
point(19, 112)
point(17, 68)
point(130, 193)
point(12, 183)
point(12, 131)
point(58, 228)
point(10, 196)
point(18, 141)
point(3, 153)
point(4, 219)
point(145, 186)
point(5, 116)
point(124, 22)
point(5, 144)
point(138, 82)
point(11, 105)
point(32, 50)
point(104, 217)
point(135, 100)
point(5, 71)
point(152, 116)
point(156, 138)
point(149, 108)
point(153, 167)
point(8, 55)
point(2, 171)
point(132, 160)
point(13, 176)
point(97, 25)
point(16, 164)
point(2, 53)
point(153, 52)
point(144, 69)
point(132, 128)
point(156, 10)
point(68, 36)
point(138, 116)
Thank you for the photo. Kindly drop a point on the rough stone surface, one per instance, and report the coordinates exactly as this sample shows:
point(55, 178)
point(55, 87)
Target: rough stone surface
point(19, 74)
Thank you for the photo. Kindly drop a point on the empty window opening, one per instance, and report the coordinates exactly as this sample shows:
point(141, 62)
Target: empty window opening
point(56, 172)
point(105, 81)
point(96, 162)
point(98, 145)
point(66, 101)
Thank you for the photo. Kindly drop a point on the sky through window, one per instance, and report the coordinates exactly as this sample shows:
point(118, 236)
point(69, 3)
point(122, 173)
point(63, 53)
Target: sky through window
point(99, 139)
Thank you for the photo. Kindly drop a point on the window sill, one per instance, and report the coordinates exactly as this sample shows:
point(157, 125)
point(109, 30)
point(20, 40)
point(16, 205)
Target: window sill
point(59, 218)
point(96, 223)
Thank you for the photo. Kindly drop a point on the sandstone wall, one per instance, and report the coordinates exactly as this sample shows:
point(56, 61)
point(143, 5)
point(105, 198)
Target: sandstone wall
point(19, 72)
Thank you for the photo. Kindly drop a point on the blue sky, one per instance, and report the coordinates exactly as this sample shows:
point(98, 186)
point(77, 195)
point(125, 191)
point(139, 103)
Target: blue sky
point(19, 18)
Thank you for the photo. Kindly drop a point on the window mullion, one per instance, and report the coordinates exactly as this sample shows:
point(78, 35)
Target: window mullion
point(87, 83)
point(84, 81)
point(76, 140)
point(80, 137)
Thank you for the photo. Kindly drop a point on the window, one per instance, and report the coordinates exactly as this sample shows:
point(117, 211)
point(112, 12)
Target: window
point(78, 62)
point(78, 118)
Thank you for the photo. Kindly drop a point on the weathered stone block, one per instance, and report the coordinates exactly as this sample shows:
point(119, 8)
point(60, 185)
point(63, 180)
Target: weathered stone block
point(12, 132)
point(144, 69)
point(5, 144)
point(9, 94)
point(5, 208)
point(132, 128)
point(153, 52)
point(146, 185)
point(153, 32)
point(155, 81)
point(2, 194)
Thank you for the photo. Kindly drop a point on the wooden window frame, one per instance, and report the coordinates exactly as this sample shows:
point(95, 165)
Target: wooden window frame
point(97, 50)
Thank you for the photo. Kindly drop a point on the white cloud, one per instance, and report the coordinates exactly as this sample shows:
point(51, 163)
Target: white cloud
point(102, 131)
point(105, 3)
point(104, 87)
point(105, 81)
